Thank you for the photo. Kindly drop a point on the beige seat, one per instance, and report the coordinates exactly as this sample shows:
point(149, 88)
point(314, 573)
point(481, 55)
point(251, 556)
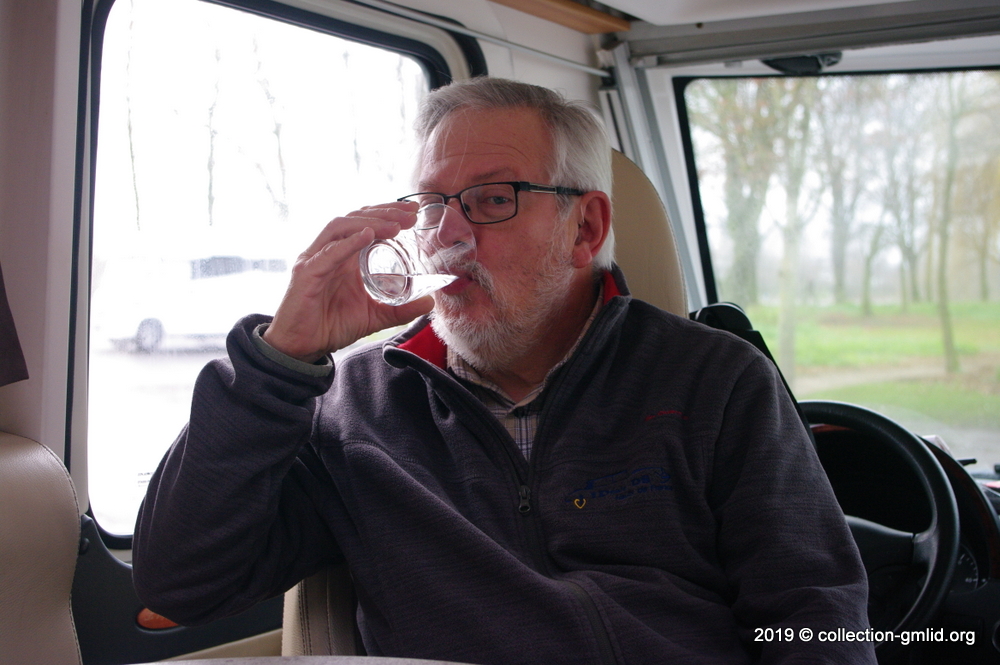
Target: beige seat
point(39, 541)
point(319, 611)
point(645, 246)
point(319, 616)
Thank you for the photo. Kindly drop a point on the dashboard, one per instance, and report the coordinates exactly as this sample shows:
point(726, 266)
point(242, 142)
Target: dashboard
point(873, 481)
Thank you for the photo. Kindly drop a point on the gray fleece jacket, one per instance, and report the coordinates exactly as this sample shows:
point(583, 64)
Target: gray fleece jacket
point(672, 504)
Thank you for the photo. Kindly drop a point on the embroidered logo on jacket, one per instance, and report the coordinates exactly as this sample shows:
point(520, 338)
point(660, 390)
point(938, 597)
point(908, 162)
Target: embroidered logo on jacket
point(621, 486)
point(667, 412)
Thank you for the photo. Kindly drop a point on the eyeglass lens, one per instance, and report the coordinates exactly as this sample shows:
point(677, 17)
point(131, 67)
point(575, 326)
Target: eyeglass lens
point(484, 204)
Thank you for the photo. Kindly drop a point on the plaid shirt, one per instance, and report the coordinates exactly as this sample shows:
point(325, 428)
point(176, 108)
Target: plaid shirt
point(520, 419)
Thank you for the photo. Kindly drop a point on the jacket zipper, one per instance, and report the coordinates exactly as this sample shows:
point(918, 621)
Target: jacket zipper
point(604, 647)
point(524, 507)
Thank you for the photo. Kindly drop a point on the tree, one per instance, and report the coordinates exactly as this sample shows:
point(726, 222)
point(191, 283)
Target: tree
point(129, 120)
point(900, 160)
point(954, 106)
point(213, 136)
point(873, 247)
point(794, 144)
point(979, 209)
point(841, 114)
point(977, 204)
point(277, 186)
point(740, 114)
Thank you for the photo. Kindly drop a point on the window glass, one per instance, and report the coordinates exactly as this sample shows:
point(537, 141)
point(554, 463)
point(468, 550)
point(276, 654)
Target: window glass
point(856, 219)
point(226, 141)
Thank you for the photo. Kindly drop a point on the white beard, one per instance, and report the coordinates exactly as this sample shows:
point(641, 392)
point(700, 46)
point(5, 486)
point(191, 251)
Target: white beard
point(511, 329)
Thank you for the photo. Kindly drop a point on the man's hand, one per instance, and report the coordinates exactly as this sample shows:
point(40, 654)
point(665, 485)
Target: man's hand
point(326, 307)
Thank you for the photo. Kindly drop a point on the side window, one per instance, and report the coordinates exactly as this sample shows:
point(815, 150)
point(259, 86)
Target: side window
point(226, 141)
point(856, 219)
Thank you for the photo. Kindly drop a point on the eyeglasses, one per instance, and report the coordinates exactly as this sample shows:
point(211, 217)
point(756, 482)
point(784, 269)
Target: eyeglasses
point(489, 203)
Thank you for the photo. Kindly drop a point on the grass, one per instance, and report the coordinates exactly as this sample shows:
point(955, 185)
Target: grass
point(841, 341)
point(947, 401)
point(842, 337)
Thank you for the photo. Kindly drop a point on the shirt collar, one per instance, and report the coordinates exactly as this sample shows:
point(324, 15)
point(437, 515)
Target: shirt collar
point(466, 372)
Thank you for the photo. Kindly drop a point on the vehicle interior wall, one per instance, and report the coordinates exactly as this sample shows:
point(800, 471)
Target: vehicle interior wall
point(39, 199)
point(520, 28)
point(39, 65)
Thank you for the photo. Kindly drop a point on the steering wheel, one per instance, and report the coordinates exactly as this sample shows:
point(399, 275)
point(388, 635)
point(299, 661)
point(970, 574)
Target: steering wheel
point(930, 553)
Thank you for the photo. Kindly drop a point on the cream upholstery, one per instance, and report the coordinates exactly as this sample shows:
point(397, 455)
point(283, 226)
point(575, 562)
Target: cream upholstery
point(39, 542)
point(645, 247)
point(319, 611)
point(319, 615)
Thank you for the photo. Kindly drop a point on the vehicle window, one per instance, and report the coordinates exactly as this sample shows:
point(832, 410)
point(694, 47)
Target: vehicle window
point(226, 141)
point(856, 219)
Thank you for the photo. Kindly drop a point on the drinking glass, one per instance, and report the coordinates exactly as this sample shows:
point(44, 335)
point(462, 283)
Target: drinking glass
point(419, 260)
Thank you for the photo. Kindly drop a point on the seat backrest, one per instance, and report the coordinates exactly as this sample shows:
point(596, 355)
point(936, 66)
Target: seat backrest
point(39, 542)
point(320, 610)
point(645, 247)
point(319, 615)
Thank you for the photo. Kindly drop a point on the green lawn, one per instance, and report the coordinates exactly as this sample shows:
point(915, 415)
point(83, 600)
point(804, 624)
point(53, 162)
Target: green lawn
point(949, 402)
point(841, 339)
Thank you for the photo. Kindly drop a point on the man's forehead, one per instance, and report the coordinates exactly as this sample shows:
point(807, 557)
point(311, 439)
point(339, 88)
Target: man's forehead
point(483, 146)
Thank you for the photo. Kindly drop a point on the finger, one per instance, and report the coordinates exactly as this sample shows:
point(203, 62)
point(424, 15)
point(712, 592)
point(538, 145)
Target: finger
point(385, 219)
point(402, 212)
point(332, 255)
point(397, 212)
point(392, 205)
point(344, 227)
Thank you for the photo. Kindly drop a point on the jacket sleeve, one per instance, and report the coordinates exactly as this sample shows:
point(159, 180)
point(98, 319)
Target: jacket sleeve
point(229, 517)
point(783, 540)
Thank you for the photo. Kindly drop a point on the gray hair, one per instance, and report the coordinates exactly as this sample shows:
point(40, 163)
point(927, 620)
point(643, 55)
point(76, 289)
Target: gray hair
point(581, 152)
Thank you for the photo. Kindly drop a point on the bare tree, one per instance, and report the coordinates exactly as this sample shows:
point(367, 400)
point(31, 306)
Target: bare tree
point(795, 144)
point(978, 180)
point(277, 186)
point(876, 233)
point(213, 135)
point(978, 208)
point(739, 113)
point(898, 148)
point(954, 107)
point(129, 121)
point(841, 115)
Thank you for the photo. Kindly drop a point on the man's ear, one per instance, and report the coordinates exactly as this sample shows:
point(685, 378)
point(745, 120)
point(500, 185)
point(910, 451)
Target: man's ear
point(593, 226)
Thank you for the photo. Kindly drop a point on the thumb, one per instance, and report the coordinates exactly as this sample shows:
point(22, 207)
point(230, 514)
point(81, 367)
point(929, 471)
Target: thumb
point(411, 310)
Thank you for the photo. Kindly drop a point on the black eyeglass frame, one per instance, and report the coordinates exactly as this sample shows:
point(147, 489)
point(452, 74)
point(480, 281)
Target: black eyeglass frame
point(518, 187)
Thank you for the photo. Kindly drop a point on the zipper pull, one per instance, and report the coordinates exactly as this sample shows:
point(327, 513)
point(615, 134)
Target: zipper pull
point(525, 505)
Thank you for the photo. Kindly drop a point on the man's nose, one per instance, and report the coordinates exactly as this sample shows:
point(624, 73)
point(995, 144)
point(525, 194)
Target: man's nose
point(455, 227)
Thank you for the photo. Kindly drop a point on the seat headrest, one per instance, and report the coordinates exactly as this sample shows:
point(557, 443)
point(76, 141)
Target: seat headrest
point(645, 247)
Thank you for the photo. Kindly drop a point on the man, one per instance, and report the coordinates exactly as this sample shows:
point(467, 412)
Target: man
point(542, 470)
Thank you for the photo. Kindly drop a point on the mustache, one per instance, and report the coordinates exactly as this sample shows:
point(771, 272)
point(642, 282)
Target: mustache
point(476, 272)
point(454, 259)
point(479, 274)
